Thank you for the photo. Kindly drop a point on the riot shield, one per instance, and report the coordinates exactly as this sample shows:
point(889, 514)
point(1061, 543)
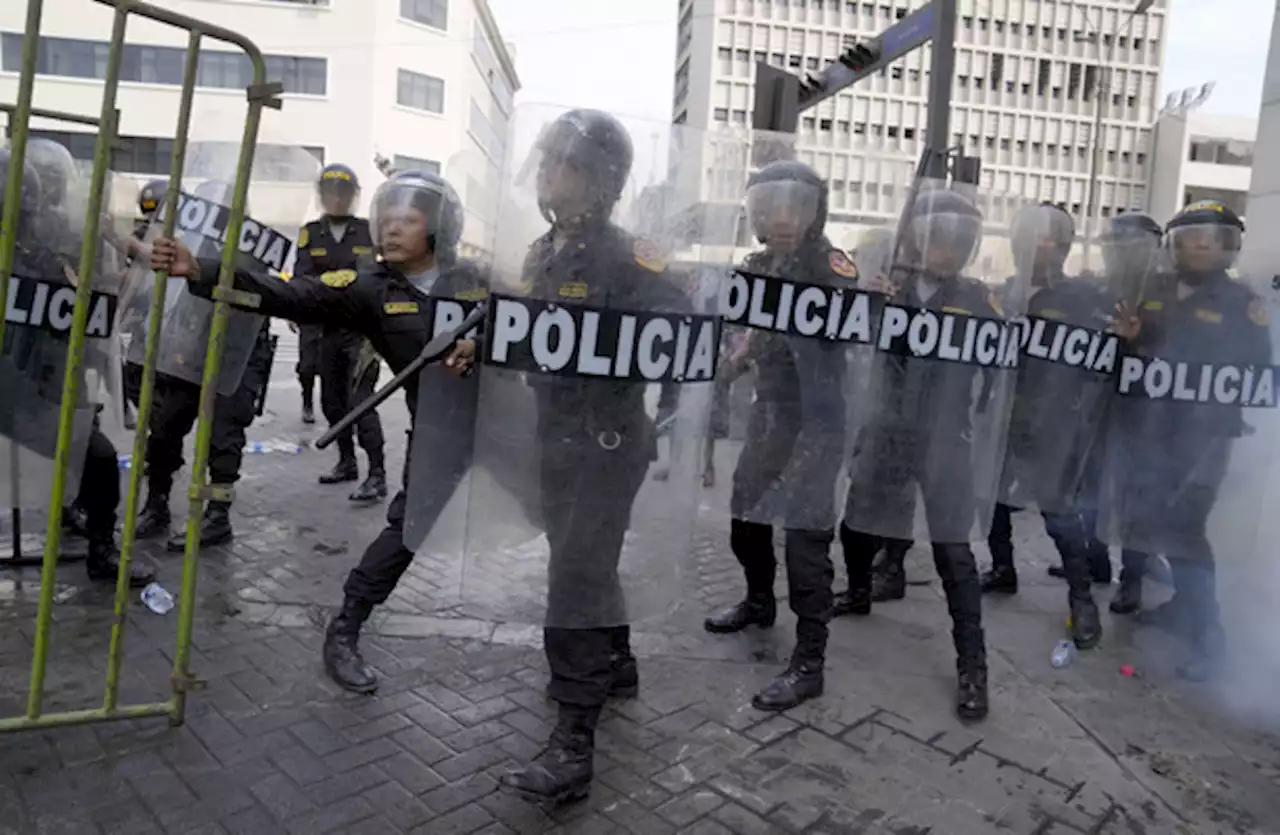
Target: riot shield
point(586, 324)
point(1070, 353)
point(928, 447)
point(33, 358)
point(280, 193)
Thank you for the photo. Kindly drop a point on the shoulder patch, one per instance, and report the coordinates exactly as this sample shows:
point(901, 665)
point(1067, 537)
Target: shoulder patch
point(338, 278)
point(393, 308)
point(573, 290)
point(304, 237)
point(841, 265)
point(649, 256)
point(1258, 313)
point(472, 295)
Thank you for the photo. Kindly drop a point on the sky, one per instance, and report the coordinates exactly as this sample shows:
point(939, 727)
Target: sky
point(620, 56)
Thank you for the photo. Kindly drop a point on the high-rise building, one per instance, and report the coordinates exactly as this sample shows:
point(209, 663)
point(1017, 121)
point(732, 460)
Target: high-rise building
point(423, 84)
point(1033, 78)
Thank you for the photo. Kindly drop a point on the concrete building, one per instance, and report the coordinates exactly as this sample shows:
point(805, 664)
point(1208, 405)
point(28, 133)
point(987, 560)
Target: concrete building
point(426, 84)
point(1026, 96)
point(1260, 259)
point(1200, 157)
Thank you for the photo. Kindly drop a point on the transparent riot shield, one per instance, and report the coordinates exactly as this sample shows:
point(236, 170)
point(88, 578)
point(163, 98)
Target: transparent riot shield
point(280, 196)
point(928, 448)
point(1070, 353)
point(33, 359)
point(588, 326)
point(799, 321)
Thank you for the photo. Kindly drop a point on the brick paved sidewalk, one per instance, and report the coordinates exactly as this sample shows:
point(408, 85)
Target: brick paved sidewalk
point(271, 746)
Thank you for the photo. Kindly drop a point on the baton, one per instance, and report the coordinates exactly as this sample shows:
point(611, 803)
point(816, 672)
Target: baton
point(434, 350)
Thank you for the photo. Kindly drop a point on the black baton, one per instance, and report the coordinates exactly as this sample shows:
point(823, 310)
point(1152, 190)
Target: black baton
point(434, 350)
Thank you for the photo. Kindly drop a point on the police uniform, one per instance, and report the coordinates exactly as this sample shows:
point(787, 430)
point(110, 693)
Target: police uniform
point(343, 382)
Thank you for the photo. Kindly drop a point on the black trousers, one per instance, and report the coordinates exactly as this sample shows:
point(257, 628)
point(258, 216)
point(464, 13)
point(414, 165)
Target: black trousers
point(586, 520)
point(809, 578)
point(308, 366)
point(340, 391)
point(1071, 535)
point(132, 380)
point(99, 494)
point(176, 410)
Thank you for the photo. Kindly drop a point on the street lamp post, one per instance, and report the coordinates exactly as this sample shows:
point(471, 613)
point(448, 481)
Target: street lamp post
point(1106, 71)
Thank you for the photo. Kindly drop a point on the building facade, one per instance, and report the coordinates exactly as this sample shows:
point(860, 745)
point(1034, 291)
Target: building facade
point(1033, 77)
point(426, 84)
point(1200, 157)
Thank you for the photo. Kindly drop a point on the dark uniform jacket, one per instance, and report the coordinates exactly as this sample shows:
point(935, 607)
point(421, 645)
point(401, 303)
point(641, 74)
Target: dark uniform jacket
point(319, 253)
point(796, 432)
point(600, 266)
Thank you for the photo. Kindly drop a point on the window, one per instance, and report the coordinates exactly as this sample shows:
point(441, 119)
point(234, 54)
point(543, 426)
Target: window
point(740, 117)
point(434, 13)
point(402, 162)
point(721, 114)
point(482, 129)
point(908, 133)
point(893, 131)
point(72, 58)
point(421, 92)
point(152, 155)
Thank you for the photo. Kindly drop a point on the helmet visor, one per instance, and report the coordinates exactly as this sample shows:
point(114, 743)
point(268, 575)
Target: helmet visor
point(945, 242)
point(1204, 247)
point(782, 212)
point(405, 217)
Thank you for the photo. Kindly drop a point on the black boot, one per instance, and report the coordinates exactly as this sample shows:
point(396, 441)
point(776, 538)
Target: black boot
point(959, 573)
point(972, 704)
point(1197, 584)
point(624, 682)
point(154, 519)
point(800, 682)
point(859, 556)
point(342, 658)
point(1000, 579)
point(75, 521)
point(373, 489)
point(308, 412)
point(562, 772)
point(215, 528)
point(345, 470)
point(1086, 624)
point(756, 610)
point(889, 578)
point(103, 565)
point(1128, 599)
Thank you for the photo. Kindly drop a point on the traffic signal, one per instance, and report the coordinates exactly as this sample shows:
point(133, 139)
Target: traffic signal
point(861, 55)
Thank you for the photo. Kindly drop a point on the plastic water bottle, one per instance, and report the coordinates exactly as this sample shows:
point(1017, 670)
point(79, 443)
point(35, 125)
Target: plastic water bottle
point(125, 462)
point(1064, 652)
point(157, 599)
point(257, 448)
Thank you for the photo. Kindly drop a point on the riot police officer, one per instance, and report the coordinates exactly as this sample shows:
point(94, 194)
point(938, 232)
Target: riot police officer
point(99, 494)
point(795, 434)
point(585, 158)
point(57, 170)
point(150, 197)
point(920, 433)
point(1178, 450)
point(175, 411)
point(336, 241)
point(418, 220)
point(1131, 247)
point(1057, 417)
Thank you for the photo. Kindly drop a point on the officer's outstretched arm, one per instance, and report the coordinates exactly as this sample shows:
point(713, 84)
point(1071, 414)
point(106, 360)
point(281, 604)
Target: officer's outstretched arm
point(303, 300)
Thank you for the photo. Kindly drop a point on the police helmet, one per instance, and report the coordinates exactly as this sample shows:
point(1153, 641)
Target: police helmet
point(1129, 225)
point(29, 201)
point(1035, 226)
point(429, 194)
point(593, 144)
point(787, 199)
point(1204, 237)
point(338, 181)
point(943, 230)
point(56, 166)
point(151, 195)
point(1130, 247)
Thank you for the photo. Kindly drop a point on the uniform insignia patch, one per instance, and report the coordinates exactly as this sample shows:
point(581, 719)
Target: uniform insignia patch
point(1153, 305)
point(286, 275)
point(841, 265)
point(361, 250)
point(574, 290)
point(1258, 313)
point(304, 237)
point(649, 256)
point(959, 310)
point(1051, 313)
point(319, 251)
point(1205, 206)
point(393, 308)
point(472, 295)
point(338, 278)
point(1212, 316)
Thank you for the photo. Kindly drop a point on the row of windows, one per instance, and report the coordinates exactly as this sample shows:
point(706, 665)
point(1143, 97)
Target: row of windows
point(153, 155)
point(401, 162)
point(419, 91)
point(431, 12)
point(1221, 152)
point(73, 58)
